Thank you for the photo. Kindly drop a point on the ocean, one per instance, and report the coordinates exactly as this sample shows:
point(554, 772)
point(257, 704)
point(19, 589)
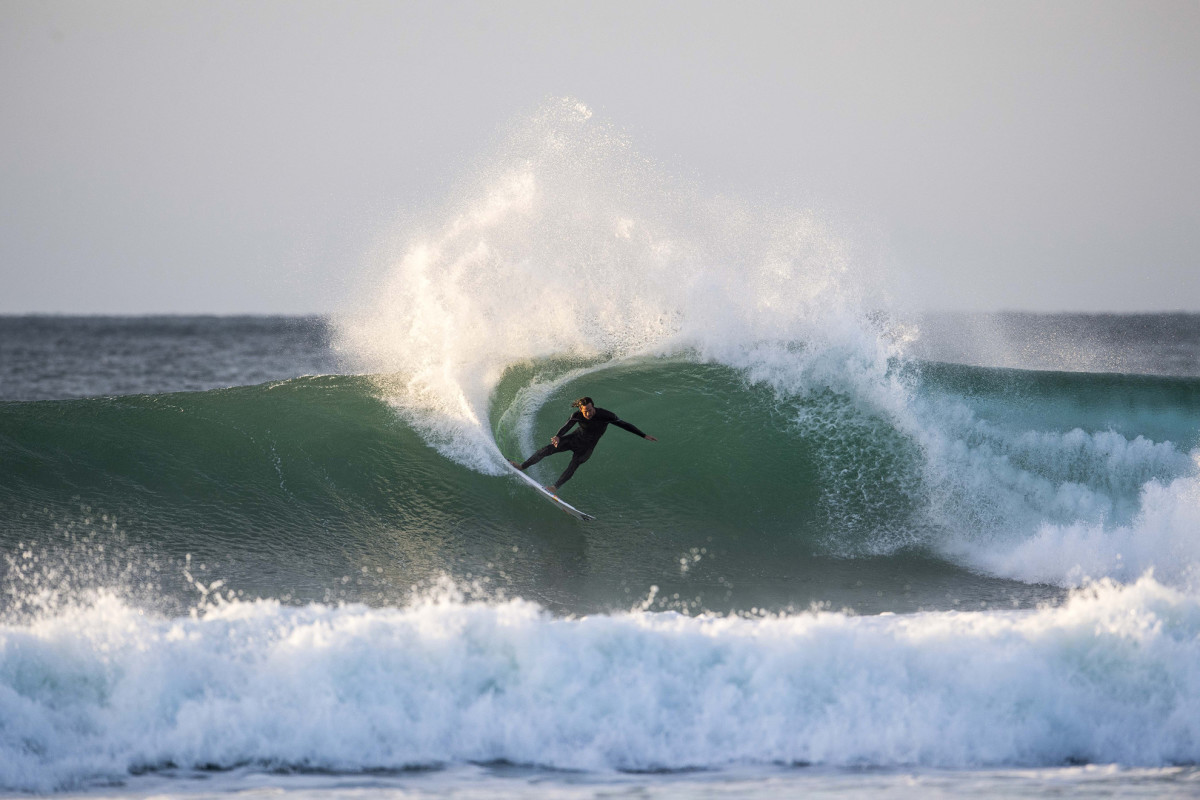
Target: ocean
point(872, 553)
point(231, 565)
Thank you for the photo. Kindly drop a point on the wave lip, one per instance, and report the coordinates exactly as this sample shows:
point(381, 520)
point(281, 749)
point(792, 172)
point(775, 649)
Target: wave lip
point(96, 693)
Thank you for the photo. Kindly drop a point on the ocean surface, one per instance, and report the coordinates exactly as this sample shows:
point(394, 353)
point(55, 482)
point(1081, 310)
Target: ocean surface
point(231, 564)
point(872, 553)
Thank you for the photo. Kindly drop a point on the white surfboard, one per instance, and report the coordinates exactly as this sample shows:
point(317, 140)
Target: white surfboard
point(565, 506)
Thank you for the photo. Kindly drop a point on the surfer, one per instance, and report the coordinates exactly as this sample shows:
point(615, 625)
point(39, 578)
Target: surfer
point(592, 423)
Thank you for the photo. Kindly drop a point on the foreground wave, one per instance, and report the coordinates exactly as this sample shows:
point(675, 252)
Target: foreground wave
point(105, 689)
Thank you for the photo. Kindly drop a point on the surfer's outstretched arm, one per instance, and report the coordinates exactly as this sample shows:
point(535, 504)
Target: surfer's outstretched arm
point(629, 426)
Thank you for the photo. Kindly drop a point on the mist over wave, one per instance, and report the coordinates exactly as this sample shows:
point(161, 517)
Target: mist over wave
point(572, 253)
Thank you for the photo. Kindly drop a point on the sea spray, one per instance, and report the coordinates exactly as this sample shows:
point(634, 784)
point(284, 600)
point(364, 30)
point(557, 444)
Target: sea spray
point(570, 243)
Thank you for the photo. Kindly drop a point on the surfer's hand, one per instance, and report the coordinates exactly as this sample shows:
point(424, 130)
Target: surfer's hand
point(651, 439)
point(554, 441)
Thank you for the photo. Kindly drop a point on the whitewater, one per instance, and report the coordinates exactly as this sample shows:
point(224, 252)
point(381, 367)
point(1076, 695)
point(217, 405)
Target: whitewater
point(871, 551)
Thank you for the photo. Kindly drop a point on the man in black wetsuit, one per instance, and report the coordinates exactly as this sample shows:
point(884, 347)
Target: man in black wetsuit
point(592, 423)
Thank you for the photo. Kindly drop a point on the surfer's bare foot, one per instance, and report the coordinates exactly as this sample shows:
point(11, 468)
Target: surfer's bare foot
point(552, 489)
point(515, 464)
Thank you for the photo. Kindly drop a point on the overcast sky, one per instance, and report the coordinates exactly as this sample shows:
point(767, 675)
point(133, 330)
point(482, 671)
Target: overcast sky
point(231, 157)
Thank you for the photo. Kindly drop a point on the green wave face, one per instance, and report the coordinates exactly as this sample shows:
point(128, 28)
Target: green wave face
point(314, 488)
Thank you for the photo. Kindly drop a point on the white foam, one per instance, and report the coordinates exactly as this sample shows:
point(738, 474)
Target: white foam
point(1059, 508)
point(1113, 676)
point(1164, 537)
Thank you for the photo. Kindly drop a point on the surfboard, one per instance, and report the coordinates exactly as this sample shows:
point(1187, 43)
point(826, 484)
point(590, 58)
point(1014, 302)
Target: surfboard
point(564, 505)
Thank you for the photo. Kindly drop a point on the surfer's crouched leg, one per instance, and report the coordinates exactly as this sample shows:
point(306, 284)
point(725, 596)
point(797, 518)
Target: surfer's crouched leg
point(569, 442)
point(577, 458)
point(538, 456)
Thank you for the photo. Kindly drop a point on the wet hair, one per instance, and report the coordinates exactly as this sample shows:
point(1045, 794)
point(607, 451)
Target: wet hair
point(583, 401)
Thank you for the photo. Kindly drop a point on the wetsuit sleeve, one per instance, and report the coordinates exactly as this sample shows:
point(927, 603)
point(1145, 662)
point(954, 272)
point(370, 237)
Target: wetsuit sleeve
point(566, 427)
point(629, 426)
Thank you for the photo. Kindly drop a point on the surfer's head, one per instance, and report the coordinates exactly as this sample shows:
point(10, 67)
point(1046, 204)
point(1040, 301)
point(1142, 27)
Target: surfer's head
point(585, 406)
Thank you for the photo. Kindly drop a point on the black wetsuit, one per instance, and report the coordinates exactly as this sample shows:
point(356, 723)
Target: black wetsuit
point(582, 442)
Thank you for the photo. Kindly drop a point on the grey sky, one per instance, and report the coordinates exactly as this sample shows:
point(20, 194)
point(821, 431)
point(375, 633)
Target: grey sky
point(245, 156)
